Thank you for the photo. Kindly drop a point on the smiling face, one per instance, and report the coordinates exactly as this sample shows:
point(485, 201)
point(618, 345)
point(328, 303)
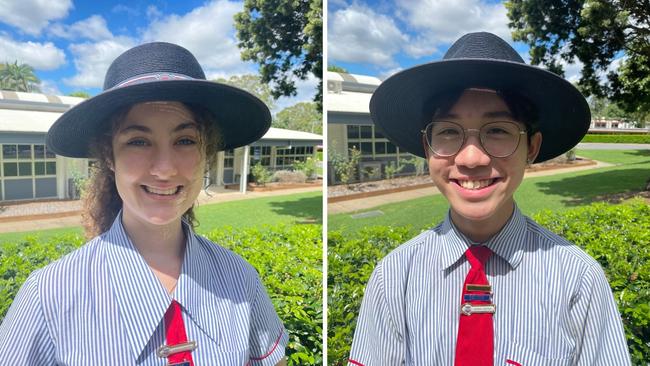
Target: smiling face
point(479, 187)
point(158, 162)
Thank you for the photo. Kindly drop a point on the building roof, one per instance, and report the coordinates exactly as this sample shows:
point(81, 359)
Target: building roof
point(35, 113)
point(348, 97)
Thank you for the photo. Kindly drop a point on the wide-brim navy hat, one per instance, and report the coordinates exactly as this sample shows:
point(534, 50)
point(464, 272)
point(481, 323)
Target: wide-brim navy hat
point(480, 60)
point(159, 72)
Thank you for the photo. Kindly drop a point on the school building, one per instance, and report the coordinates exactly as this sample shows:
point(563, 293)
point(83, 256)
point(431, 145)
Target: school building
point(349, 126)
point(28, 171)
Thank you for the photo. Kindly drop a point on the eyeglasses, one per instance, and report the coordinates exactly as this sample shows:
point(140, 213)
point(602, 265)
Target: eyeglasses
point(499, 139)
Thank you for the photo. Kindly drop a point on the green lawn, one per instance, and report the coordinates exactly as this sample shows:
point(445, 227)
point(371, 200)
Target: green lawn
point(557, 193)
point(287, 209)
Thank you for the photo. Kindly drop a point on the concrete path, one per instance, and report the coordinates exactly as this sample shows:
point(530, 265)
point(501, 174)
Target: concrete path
point(601, 146)
point(370, 202)
point(72, 217)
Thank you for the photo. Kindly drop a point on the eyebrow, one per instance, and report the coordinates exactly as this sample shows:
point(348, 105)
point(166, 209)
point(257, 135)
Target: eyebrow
point(141, 128)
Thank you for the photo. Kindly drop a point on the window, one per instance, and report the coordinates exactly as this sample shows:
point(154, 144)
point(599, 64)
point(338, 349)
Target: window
point(22, 163)
point(370, 141)
point(285, 157)
point(260, 154)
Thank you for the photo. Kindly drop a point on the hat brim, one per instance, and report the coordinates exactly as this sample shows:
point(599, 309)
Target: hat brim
point(241, 117)
point(397, 106)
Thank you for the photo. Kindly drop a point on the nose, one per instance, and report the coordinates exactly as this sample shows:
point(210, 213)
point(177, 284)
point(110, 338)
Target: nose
point(471, 154)
point(163, 163)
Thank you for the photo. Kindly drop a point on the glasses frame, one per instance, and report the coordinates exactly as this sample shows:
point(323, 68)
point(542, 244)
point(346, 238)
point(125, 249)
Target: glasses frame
point(466, 132)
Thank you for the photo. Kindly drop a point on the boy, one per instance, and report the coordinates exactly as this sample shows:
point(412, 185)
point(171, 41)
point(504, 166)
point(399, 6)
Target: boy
point(488, 286)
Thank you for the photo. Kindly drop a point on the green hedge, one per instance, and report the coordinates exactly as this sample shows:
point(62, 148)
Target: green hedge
point(288, 258)
point(621, 139)
point(618, 236)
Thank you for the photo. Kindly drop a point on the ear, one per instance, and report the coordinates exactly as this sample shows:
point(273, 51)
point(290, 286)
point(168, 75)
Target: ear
point(425, 146)
point(535, 145)
point(110, 165)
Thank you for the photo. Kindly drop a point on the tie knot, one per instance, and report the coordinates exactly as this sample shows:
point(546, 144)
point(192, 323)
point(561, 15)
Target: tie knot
point(477, 255)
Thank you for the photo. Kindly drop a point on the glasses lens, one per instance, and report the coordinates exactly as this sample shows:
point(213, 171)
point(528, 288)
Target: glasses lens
point(444, 138)
point(500, 139)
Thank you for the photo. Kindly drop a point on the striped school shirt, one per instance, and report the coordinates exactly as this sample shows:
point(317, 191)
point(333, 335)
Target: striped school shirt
point(553, 303)
point(102, 305)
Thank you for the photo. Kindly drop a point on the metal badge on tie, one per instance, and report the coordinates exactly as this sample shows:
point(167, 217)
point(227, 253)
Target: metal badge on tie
point(469, 309)
point(164, 351)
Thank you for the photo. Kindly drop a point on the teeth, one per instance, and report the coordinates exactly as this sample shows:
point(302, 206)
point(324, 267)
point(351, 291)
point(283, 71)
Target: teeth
point(162, 192)
point(475, 184)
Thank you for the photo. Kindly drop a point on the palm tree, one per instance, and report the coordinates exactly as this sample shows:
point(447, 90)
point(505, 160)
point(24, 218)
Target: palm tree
point(18, 77)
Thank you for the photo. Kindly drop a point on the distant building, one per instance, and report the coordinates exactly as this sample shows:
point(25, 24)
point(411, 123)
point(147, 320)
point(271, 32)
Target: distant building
point(28, 171)
point(349, 126)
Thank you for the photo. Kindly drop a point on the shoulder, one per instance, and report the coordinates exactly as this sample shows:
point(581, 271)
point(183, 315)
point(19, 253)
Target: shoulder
point(404, 256)
point(225, 264)
point(72, 267)
point(559, 247)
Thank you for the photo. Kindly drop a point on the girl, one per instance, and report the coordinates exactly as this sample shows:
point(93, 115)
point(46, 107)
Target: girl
point(147, 290)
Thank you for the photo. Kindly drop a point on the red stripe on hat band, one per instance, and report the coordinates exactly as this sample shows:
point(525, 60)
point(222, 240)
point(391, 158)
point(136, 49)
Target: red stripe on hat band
point(146, 78)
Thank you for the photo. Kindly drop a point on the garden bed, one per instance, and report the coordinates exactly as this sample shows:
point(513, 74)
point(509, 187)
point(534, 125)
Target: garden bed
point(344, 192)
point(275, 186)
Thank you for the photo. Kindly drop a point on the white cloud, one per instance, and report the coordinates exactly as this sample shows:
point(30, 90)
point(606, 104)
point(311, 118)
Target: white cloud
point(31, 16)
point(93, 59)
point(358, 34)
point(93, 28)
point(40, 56)
point(208, 32)
point(153, 12)
point(442, 22)
point(306, 90)
point(121, 8)
point(49, 87)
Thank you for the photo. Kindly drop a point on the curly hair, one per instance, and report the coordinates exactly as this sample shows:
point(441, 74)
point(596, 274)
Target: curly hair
point(101, 201)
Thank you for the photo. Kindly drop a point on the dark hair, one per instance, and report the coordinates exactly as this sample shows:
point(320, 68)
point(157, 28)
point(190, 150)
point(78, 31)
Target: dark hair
point(101, 199)
point(522, 109)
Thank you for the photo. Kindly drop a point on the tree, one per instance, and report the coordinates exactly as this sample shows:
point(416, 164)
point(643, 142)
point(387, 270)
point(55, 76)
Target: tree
point(303, 116)
point(595, 32)
point(286, 39)
point(19, 78)
point(335, 68)
point(79, 94)
point(252, 84)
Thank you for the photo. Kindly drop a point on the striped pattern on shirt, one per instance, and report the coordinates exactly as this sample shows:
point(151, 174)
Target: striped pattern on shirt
point(102, 305)
point(553, 303)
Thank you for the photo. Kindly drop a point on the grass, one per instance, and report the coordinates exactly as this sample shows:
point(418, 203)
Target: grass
point(287, 209)
point(557, 193)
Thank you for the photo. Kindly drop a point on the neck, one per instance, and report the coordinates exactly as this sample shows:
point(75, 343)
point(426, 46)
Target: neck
point(480, 231)
point(161, 246)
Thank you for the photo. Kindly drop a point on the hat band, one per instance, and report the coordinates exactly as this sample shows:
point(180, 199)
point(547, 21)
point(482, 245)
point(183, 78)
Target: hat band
point(147, 78)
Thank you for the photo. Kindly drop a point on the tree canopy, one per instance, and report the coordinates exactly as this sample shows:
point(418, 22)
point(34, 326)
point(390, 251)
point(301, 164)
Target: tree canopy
point(336, 68)
point(79, 94)
point(303, 116)
point(596, 33)
point(18, 78)
point(286, 39)
point(252, 84)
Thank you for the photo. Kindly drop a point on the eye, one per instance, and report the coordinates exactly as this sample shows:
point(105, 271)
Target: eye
point(496, 131)
point(137, 142)
point(186, 141)
point(447, 132)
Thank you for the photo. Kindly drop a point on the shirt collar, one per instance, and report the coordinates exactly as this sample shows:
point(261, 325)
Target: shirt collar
point(142, 299)
point(508, 243)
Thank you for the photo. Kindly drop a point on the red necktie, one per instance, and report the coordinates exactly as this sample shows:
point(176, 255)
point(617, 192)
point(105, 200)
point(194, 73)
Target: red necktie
point(475, 345)
point(175, 333)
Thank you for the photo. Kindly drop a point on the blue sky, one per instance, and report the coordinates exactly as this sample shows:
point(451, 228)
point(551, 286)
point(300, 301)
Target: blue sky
point(379, 38)
point(71, 43)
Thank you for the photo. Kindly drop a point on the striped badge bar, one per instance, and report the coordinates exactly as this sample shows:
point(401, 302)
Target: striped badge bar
point(481, 288)
point(477, 297)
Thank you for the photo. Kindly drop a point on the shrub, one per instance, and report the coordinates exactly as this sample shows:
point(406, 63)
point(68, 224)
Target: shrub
point(288, 259)
point(350, 263)
point(260, 174)
point(286, 176)
point(345, 167)
point(309, 167)
point(617, 236)
point(622, 139)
